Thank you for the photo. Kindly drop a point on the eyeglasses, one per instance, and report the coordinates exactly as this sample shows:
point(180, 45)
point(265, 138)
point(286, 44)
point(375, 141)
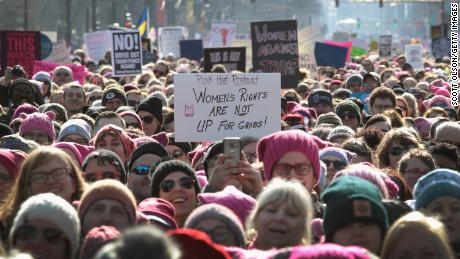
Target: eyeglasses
point(338, 165)
point(147, 119)
point(62, 74)
point(96, 176)
point(29, 232)
point(397, 151)
point(348, 115)
point(177, 153)
point(57, 174)
point(143, 170)
point(169, 127)
point(299, 169)
point(4, 178)
point(184, 182)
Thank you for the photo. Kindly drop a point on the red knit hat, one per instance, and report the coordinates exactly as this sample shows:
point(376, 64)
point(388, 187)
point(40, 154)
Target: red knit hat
point(38, 121)
point(95, 239)
point(272, 147)
point(128, 144)
point(159, 210)
point(80, 151)
point(132, 114)
point(12, 160)
point(196, 244)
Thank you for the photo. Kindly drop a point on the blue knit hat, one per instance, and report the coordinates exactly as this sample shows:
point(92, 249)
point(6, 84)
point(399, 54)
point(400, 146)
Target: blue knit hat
point(436, 184)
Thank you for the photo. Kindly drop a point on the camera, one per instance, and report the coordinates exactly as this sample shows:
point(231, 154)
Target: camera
point(17, 71)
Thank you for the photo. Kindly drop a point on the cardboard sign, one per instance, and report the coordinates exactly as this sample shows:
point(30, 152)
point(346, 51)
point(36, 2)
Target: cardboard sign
point(414, 55)
point(385, 45)
point(191, 49)
point(307, 38)
point(19, 47)
point(168, 40)
point(440, 47)
point(97, 44)
point(126, 53)
point(345, 44)
point(231, 58)
point(78, 71)
point(247, 44)
point(330, 55)
point(222, 33)
point(275, 50)
point(210, 107)
point(60, 54)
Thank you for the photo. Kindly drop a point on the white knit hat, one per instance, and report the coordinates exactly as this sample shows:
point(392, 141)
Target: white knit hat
point(50, 207)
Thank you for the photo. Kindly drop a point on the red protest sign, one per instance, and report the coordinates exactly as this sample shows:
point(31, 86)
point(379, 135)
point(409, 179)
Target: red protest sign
point(19, 48)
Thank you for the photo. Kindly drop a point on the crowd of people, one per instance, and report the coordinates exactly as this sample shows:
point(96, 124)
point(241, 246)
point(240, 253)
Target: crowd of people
point(366, 165)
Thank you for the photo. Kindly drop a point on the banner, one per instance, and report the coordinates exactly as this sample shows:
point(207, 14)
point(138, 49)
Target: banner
point(345, 44)
point(213, 106)
point(231, 58)
point(330, 55)
point(191, 49)
point(414, 56)
point(275, 49)
point(168, 40)
point(385, 42)
point(357, 51)
point(126, 53)
point(222, 33)
point(78, 71)
point(19, 47)
point(97, 44)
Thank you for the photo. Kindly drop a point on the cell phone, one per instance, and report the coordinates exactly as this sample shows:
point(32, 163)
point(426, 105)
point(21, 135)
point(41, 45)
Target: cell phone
point(232, 150)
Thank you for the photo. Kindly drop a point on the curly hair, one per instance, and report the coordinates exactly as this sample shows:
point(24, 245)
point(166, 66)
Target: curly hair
point(407, 138)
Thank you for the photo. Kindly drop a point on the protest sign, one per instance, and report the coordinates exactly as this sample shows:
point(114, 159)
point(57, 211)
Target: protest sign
point(60, 54)
point(345, 44)
point(46, 46)
point(341, 36)
point(126, 53)
point(307, 38)
point(275, 49)
point(78, 71)
point(222, 33)
point(231, 58)
point(97, 44)
point(168, 40)
point(213, 106)
point(385, 42)
point(330, 55)
point(357, 51)
point(247, 44)
point(19, 47)
point(191, 49)
point(414, 55)
point(440, 47)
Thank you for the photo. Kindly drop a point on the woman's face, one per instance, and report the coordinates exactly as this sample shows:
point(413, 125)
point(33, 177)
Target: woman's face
point(150, 123)
point(218, 231)
point(448, 208)
point(295, 158)
point(6, 182)
point(414, 243)
point(415, 169)
point(395, 152)
point(367, 235)
point(112, 143)
point(180, 195)
point(279, 225)
point(41, 239)
point(105, 212)
point(52, 176)
point(333, 165)
point(403, 107)
point(38, 136)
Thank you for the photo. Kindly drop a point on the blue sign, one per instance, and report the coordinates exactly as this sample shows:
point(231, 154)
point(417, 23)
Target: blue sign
point(191, 49)
point(47, 46)
point(330, 55)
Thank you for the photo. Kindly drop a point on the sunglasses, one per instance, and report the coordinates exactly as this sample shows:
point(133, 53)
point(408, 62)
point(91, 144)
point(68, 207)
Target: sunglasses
point(349, 115)
point(29, 232)
point(143, 170)
point(338, 165)
point(159, 72)
point(93, 177)
point(184, 182)
point(62, 74)
point(147, 119)
point(397, 151)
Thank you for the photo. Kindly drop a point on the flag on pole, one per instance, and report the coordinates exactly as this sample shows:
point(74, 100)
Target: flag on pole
point(143, 23)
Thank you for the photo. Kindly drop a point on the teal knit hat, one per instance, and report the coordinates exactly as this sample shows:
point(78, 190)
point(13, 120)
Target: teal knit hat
point(350, 199)
point(436, 184)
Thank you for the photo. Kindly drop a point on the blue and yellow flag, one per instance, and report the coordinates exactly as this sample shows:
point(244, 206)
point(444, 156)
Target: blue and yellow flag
point(143, 23)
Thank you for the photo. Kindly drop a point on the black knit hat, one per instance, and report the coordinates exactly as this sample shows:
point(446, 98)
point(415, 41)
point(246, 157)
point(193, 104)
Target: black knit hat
point(213, 150)
point(319, 96)
point(112, 93)
point(184, 146)
point(153, 105)
point(109, 157)
point(165, 168)
point(153, 148)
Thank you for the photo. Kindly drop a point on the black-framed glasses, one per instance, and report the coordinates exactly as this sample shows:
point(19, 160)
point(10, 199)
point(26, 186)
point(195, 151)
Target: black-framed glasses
point(177, 153)
point(299, 169)
point(29, 232)
point(57, 174)
point(338, 165)
point(185, 182)
point(397, 151)
point(142, 170)
point(96, 176)
point(147, 119)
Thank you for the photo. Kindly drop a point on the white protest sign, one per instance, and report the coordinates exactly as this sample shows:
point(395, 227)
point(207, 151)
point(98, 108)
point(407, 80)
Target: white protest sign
point(385, 44)
point(97, 44)
point(126, 53)
point(307, 38)
point(169, 40)
point(222, 33)
point(212, 106)
point(414, 56)
point(60, 54)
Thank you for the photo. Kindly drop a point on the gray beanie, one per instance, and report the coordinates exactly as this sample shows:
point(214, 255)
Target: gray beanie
point(340, 132)
point(329, 118)
point(77, 127)
point(216, 211)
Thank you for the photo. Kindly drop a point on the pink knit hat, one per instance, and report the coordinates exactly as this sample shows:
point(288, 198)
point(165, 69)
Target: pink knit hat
point(435, 99)
point(26, 108)
point(38, 121)
point(12, 160)
point(132, 114)
point(96, 238)
point(159, 210)
point(238, 202)
point(327, 250)
point(80, 151)
point(128, 144)
point(272, 147)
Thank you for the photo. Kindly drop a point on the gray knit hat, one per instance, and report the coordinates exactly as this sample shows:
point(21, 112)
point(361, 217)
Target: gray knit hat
point(340, 132)
point(77, 127)
point(329, 118)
